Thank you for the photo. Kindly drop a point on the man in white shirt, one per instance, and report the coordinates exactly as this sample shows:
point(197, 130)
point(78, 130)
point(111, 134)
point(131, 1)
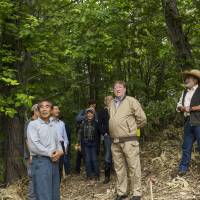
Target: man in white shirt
point(62, 135)
point(189, 105)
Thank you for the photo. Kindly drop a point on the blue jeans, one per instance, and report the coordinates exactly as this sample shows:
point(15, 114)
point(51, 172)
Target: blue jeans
point(191, 133)
point(31, 192)
point(107, 151)
point(45, 175)
point(91, 160)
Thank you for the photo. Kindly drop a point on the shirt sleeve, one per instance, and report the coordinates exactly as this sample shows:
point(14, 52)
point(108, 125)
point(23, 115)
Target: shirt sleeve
point(66, 141)
point(34, 144)
point(139, 114)
point(179, 104)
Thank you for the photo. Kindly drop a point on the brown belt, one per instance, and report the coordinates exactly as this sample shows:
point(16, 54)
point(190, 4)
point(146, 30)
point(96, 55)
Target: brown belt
point(125, 139)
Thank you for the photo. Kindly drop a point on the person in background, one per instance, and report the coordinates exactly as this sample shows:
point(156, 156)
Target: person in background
point(45, 149)
point(62, 136)
point(126, 115)
point(79, 119)
point(87, 135)
point(103, 120)
point(67, 156)
point(27, 157)
point(82, 114)
point(189, 105)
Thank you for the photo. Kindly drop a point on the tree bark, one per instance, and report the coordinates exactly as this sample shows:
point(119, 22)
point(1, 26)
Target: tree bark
point(176, 34)
point(15, 167)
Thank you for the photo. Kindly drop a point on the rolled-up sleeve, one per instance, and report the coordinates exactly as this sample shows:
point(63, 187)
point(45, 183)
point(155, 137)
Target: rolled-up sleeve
point(35, 147)
point(179, 104)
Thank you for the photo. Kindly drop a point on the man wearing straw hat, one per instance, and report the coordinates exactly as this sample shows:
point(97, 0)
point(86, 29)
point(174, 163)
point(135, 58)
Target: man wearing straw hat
point(189, 105)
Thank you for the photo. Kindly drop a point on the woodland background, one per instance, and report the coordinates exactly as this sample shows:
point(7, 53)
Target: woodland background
point(72, 50)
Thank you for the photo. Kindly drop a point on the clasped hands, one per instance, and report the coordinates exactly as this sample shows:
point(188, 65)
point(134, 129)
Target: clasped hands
point(56, 155)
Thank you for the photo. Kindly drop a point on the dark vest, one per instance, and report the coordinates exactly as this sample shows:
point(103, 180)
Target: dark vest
point(195, 101)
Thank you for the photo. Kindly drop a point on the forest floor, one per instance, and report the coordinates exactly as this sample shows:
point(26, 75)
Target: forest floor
point(159, 160)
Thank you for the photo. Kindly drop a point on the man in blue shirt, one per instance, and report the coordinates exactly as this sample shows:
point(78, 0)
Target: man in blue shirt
point(45, 149)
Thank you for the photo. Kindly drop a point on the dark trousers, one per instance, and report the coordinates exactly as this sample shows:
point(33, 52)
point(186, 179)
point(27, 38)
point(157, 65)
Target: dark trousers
point(91, 160)
point(79, 158)
point(107, 151)
point(191, 133)
point(64, 161)
point(45, 175)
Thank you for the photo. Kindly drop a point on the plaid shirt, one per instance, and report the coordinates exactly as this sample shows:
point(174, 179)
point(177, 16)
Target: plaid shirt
point(88, 131)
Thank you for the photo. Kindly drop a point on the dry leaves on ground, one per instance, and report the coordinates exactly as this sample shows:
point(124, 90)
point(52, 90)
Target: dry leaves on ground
point(159, 162)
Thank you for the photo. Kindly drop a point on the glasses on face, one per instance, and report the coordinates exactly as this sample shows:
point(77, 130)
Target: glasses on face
point(45, 106)
point(118, 88)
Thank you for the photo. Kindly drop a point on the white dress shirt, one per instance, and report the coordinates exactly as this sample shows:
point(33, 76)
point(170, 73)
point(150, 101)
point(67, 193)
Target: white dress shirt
point(62, 134)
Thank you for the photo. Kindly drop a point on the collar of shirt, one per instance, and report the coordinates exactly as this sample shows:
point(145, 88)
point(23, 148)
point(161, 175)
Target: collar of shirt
point(53, 119)
point(193, 88)
point(43, 122)
point(119, 99)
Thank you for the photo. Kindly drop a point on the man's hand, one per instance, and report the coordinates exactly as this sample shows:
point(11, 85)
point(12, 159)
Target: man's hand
point(30, 160)
point(184, 109)
point(56, 155)
point(187, 109)
point(66, 149)
point(78, 147)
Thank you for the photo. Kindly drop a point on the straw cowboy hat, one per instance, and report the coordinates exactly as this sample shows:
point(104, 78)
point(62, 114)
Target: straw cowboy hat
point(193, 72)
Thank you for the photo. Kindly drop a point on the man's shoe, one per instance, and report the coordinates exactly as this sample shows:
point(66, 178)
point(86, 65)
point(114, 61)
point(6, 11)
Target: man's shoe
point(97, 178)
point(136, 198)
point(182, 173)
point(120, 197)
point(107, 180)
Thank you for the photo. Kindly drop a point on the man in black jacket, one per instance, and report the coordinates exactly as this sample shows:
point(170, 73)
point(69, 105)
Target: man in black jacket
point(189, 105)
point(103, 120)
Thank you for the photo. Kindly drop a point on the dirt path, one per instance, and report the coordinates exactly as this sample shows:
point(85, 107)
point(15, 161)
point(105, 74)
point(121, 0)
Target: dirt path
point(159, 161)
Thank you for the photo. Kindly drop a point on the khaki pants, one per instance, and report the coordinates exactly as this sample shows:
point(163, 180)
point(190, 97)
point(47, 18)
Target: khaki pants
point(127, 164)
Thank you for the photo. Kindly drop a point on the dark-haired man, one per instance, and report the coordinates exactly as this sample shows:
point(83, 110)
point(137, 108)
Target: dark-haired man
point(62, 136)
point(126, 115)
point(189, 105)
point(45, 150)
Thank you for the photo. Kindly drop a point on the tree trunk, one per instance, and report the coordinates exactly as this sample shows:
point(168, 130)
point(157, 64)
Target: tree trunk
point(15, 167)
point(176, 34)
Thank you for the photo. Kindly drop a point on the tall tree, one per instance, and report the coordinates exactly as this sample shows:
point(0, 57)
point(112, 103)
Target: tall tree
point(177, 36)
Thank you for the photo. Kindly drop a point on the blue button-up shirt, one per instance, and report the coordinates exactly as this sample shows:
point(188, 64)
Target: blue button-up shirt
point(42, 138)
point(61, 131)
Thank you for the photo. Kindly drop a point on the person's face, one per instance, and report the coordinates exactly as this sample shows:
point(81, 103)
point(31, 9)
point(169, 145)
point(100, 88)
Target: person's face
point(36, 114)
point(190, 82)
point(45, 110)
point(90, 116)
point(119, 90)
point(108, 100)
point(56, 111)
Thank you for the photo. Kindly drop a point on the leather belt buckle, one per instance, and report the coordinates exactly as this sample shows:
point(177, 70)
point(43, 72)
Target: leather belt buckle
point(116, 140)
